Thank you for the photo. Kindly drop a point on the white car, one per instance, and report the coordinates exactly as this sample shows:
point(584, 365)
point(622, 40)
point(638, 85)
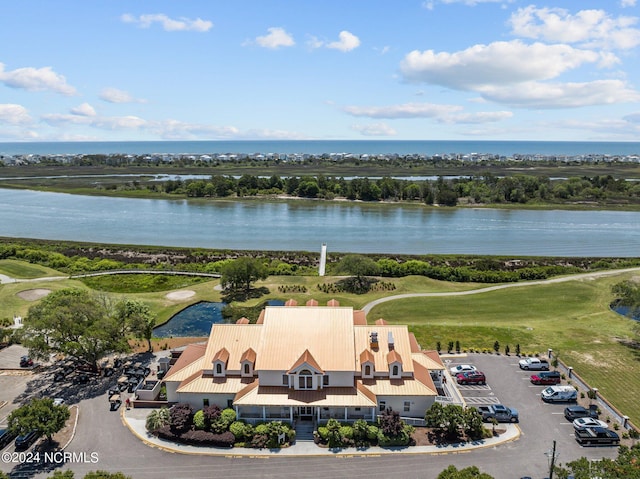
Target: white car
point(586, 422)
point(58, 402)
point(462, 368)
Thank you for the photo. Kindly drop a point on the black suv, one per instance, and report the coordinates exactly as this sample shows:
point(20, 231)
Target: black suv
point(574, 412)
point(5, 437)
point(25, 440)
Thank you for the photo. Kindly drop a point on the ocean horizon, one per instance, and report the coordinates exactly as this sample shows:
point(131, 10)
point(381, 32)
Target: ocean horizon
point(318, 147)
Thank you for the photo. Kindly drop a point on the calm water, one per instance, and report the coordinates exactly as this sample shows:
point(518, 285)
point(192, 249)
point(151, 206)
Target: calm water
point(429, 147)
point(295, 226)
point(193, 321)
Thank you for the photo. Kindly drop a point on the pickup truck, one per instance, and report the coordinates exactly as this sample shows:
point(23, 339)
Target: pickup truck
point(597, 436)
point(498, 411)
point(534, 364)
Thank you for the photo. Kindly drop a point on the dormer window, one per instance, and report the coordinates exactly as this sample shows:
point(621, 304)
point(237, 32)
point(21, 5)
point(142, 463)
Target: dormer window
point(218, 369)
point(395, 365)
point(367, 370)
point(395, 371)
point(305, 379)
point(367, 364)
point(247, 362)
point(247, 369)
point(220, 363)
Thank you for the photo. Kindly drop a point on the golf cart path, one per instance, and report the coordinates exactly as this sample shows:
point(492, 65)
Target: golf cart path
point(369, 306)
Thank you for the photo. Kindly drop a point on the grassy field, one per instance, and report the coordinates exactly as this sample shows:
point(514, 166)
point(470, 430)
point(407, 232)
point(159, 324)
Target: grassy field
point(573, 318)
point(23, 270)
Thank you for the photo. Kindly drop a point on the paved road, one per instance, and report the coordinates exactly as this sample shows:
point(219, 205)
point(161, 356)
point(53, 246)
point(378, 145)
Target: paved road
point(368, 307)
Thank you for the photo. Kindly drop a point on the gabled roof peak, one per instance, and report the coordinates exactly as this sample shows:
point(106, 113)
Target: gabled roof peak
point(308, 359)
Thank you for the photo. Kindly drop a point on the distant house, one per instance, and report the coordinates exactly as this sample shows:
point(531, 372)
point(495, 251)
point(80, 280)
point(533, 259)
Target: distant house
point(308, 362)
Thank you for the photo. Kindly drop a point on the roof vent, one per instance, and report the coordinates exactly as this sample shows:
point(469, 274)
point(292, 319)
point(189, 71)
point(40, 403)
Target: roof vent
point(373, 337)
point(390, 341)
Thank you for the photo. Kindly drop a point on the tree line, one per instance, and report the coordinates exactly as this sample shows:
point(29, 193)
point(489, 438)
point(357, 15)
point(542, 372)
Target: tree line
point(482, 189)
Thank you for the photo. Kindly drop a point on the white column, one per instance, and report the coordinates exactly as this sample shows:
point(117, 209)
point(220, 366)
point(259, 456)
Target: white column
point(264, 413)
point(291, 414)
point(237, 413)
point(345, 413)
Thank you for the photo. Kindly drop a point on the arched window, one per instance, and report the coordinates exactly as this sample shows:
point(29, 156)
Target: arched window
point(218, 368)
point(305, 379)
point(246, 368)
point(367, 370)
point(395, 371)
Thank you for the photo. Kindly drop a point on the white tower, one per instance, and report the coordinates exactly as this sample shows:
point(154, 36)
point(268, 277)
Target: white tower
point(323, 259)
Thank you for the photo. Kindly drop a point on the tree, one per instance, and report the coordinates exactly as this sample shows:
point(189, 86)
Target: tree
point(73, 322)
point(360, 267)
point(625, 466)
point(158, 418)
point(136, 317)
point(240, 273)
point(447, 419)
point(41, 415)
point(471, 472)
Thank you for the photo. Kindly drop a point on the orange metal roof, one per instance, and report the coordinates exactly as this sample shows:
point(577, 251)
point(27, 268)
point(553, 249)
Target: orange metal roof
point(312, 302)
point(306, 358)
point(327, 397)
point(187, 364)
point(333, 303)
point(326, 332)
point(236, 339)
point(397, 387)
point(401, 345)
point(381, 322)
point(248, 355)
point(222, 355)
point(415, 347)
point(208, 385)
point(426, 359)
point(243, 321)
point(291, 302)
point(365, 356)
point(359, 318)
point(394, 357)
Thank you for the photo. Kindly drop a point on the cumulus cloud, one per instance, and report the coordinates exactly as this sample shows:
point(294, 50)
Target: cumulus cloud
point(36, 79)
point(347, 41)
point(114, 95)
point(562, 95)
point(13, 114)
point(101, 122)
point(84, 110)
point(589, 28)
point(499, 63)
point(168, 24)
point(374, 129)
point(276, 38)
point(627, 3)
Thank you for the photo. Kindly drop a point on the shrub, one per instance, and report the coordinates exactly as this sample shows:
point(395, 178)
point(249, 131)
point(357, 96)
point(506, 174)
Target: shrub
point(259, 441)
point(204, 438)
point(261, 429)
point(199, 421)
point(181, 415)
point(225, 419)
point(323, 433)
point(346, 432)
point(239, 430)
point(372, 432)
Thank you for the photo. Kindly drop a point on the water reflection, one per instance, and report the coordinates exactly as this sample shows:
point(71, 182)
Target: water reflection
point(193, 321)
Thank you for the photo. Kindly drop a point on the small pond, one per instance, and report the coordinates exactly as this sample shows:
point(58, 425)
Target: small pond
point(193, 321)
point(624, 311)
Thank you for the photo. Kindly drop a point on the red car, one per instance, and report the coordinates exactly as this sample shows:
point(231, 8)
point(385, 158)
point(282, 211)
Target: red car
point(473, 377)
point(546, 378)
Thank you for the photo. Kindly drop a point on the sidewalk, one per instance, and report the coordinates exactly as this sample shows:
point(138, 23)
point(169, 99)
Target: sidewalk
point(134, 419)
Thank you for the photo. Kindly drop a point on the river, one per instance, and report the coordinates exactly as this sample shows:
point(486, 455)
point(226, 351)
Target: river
point(305, 225)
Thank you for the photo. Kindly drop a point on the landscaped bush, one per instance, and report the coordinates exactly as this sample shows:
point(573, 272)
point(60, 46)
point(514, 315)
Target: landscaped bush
point(204, 438)
point(181, 417)
point(199, 421)
point(241, 430)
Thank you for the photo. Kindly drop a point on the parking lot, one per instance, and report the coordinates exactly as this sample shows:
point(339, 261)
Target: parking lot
point(541, 423)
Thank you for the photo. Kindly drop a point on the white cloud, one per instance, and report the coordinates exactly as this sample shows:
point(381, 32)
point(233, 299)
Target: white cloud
point(167, 23)
point(589, 28)
point(276, 38)
point(114, 95)
point(84, 110)
point(499, 63)
point(347, 42)
point(561, 95)
point(478, 118)
point(627, 3)
point(406, 110)
point(375, 129)
point(36, 79)
point(13, 114)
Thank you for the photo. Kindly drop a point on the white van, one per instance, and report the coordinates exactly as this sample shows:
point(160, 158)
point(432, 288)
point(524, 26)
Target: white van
point(560, 394)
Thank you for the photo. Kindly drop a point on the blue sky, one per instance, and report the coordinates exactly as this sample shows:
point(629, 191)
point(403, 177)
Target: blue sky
point(319, 69)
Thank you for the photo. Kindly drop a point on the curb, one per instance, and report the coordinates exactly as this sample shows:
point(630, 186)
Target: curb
point(75, 425)
point(237, 453)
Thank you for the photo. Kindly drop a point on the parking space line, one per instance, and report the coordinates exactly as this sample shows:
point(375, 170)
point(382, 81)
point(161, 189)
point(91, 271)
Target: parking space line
point(473, 387)
point(482, 400)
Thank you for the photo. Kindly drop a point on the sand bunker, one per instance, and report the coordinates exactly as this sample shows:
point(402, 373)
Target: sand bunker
point(33, 294)
point(178, 295)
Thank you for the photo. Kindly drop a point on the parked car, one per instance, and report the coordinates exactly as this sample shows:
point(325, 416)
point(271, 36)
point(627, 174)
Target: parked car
point(26, 362)
point(23, 441)
point(58, 401)
point(462, 368)
point(547, 378)
point(584, 422)
point(534, 364)
point(572, 413)
point(6, 437)
point(473, 377)
point(559, 394)
point(597, 436)
point(499, 412)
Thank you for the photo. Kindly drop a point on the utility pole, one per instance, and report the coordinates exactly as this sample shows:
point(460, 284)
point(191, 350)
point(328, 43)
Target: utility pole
point(552, 461)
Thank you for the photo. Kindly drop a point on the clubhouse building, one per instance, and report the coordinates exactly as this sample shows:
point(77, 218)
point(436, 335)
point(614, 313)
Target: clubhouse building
point(308, 363)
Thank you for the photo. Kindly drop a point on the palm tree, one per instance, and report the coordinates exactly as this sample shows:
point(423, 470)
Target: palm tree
point(157, 418)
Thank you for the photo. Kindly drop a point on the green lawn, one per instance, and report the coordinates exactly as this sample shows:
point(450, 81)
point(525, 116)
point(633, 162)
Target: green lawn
point(573, 318)
point(24, 270)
